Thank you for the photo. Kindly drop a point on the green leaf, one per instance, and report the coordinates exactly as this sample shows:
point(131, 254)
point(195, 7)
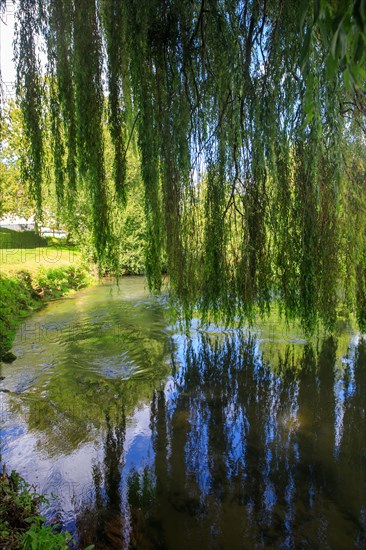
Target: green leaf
point(334, 44)
point(331, 66)
point(347, 78)
point(304, 12)
point(359, 50)
point(357, 14)
point(29, 520)
point(305, 49)
point(316, 10)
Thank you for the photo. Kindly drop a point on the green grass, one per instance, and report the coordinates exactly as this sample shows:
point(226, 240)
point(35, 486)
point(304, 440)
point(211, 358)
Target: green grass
point(28, 251)
point(21, 526)
point(20, 239)
point(32, 270)
point(17, 301)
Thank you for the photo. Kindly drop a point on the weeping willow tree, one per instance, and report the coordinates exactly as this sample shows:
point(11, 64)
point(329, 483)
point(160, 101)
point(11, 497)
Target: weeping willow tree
point(248, 116)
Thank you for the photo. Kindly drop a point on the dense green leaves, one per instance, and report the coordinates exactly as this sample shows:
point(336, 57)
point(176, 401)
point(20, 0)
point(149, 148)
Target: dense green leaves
point(113, 17)
point(29, 88)
point(14, 197)
point(244, 114)
point(341, 27)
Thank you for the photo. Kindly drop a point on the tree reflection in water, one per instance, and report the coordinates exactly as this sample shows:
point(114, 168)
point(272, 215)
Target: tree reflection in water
point(245, 456)
point(102, 522)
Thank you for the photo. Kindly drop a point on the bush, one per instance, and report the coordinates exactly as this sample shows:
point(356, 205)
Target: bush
point(17, 299)
point(53, 283)
point(20, 526)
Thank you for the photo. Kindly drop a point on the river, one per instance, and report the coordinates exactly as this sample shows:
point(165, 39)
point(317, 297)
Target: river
point(147, 438)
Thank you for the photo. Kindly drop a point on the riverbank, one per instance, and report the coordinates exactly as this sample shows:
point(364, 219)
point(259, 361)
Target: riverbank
point(25, 292)
point(33, 270)
point(21, 526)
point(28, 251)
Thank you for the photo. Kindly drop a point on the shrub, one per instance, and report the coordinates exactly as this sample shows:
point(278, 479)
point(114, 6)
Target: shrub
point(20, 526)
point(17, 299)
point(57, 281)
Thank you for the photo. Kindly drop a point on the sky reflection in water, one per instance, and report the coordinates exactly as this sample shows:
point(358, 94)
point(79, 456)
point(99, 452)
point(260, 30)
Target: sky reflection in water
point(150, 439)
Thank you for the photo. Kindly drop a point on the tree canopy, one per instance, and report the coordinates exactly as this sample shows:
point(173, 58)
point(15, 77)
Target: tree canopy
point(249, 118)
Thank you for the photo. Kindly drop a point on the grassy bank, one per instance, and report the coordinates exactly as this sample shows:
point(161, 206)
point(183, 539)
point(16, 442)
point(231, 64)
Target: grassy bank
point(33, 270)
point(24, 292)
point(28, 251)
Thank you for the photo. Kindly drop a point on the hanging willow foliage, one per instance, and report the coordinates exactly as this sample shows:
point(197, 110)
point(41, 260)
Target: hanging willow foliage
point(30, 90)
point(2, 11)
point(113, 18)
point(62, 97)
point(239, 108)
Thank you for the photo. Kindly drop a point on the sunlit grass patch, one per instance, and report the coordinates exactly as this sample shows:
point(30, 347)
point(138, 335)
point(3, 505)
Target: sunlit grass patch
point(28, 251)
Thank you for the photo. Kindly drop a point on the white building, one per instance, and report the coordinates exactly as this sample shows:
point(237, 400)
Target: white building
point(17, 224)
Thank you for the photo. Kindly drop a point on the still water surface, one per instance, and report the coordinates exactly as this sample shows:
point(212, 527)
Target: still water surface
point(147, 438)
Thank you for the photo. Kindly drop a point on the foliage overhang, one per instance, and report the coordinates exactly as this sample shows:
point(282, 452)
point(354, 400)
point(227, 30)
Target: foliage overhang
point(249, 118)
